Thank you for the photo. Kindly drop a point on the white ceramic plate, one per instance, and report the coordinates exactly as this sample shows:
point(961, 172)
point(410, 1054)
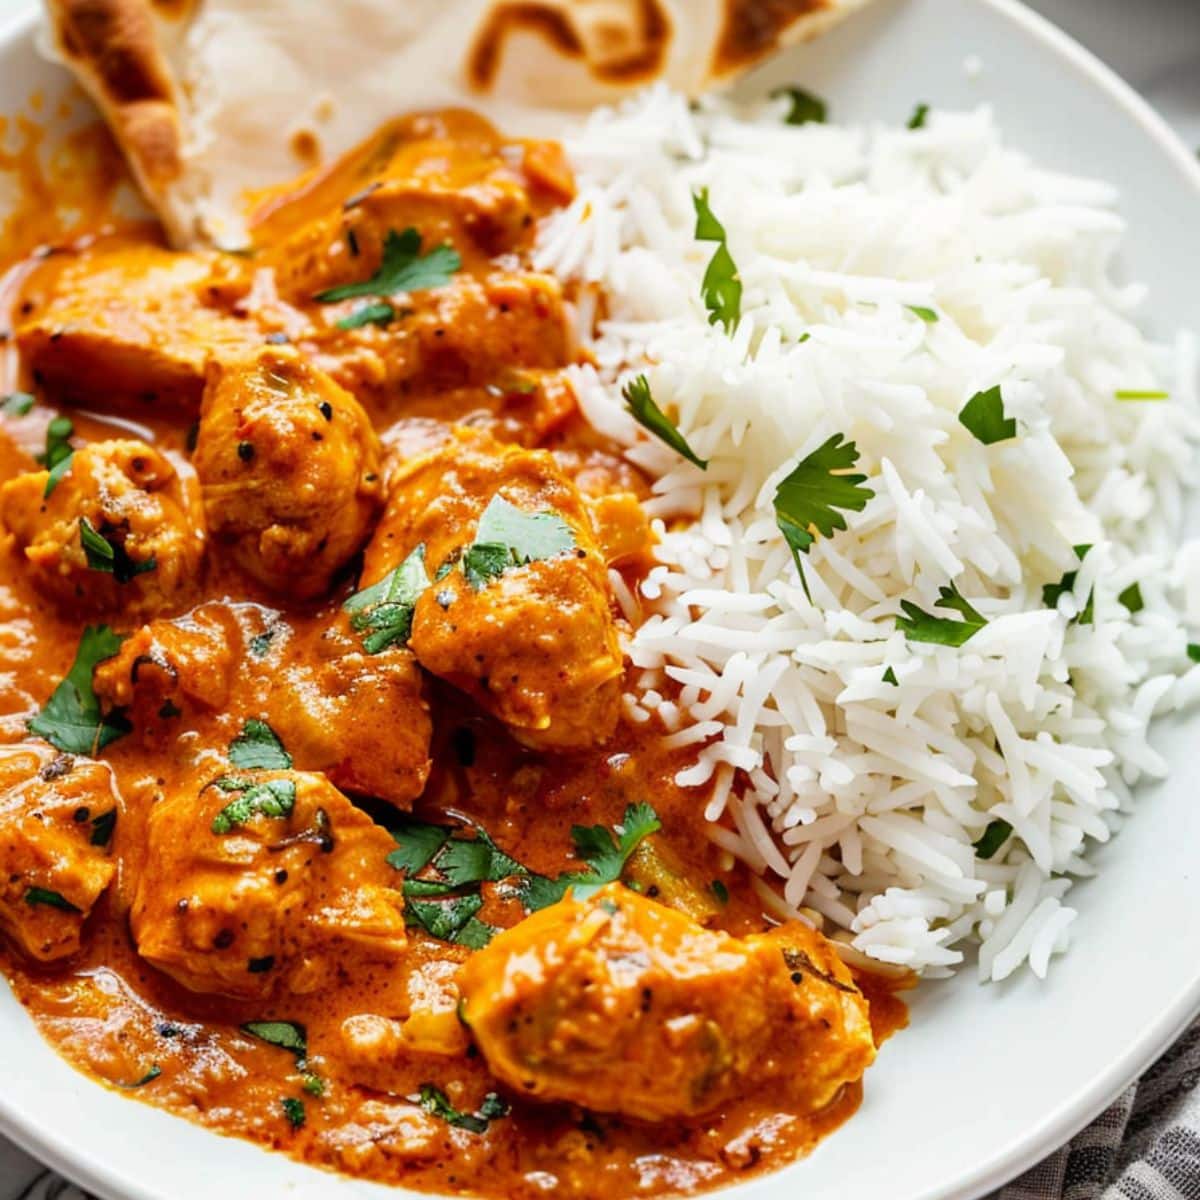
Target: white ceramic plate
point(986, 1081)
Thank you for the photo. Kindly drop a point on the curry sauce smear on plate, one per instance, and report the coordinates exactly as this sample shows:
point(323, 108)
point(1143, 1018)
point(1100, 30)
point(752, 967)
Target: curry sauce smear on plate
point(319, 821)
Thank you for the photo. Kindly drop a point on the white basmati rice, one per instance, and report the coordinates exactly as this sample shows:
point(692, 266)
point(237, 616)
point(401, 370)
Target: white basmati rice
point(862, 799)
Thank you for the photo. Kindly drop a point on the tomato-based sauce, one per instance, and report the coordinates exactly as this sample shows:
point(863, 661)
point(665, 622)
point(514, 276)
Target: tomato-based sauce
point(332, 552)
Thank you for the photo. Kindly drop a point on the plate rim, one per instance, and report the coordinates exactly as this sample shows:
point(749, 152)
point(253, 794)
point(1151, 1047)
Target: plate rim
point(96, 1176)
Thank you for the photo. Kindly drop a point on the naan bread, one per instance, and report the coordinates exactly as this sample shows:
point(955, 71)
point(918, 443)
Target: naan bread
point(210, 98)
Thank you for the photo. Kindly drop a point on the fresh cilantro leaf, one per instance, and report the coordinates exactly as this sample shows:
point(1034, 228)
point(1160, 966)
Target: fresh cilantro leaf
point(17, 404)
point(72, 720)
point(58, 453)
point(403, 269)
point(378, 312)
point(418, 844)
point(465, 861)
point(1052, 591)
point(984, 416)
point(640, 403)
point(485, 561)
point(994, 836)
point(605, 856)
point(150, 1076)
point(272, 798)
point(721, 287)
point(38, 895)
point(889, 676)
point(928, 315)
point(510, 537)
point(919, 626)
point(720, 891)
point(1193, 652)
point(1131, 597)
point(384, 611)
point(435, 1102)
point(452, 919)
point(805, 107)
point(260, 643)
point(917, 120)
point(258, 748)
point(110, 557)
point(314, 1085)
point(293, 1109)
point(287, 1035)
point(102, 828)
point(812, 493)
point(1132, 394)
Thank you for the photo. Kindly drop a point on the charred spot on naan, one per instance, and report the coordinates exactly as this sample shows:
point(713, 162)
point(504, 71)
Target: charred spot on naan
point(622, 43)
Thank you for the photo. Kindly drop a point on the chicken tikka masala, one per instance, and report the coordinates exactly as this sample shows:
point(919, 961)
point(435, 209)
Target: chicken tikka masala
point(321, 821)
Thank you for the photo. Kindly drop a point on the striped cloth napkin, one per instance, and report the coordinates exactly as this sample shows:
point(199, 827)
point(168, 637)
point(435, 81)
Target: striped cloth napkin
point(1145, 1146)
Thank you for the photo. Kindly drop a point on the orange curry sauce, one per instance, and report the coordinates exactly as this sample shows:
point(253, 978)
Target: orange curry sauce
point(172, 935)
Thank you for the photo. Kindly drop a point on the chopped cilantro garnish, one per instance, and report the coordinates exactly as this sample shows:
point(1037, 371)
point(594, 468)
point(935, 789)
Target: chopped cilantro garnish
point(110, 556)
point(919, 626)
point(804, 108)
point(293, 1109)
point(378, 312)
point(39, 895)
point(258, 748)
point(889, 676)
point(314, 1085)
point(150, 1076)
point(648, 415)
point(452, 919)
point(1052, 591)
point(435, 1102)
point(418, 843)
point(287, 1035)
point(1193, 652)
point(810, 496)
point(17, 404)
point(719, 890)
point(994, 836)
point(384, 611)
point(1132, 394)
point(58, 453)
point(721, 287)
point(510, 537)
point(1131, 597)
point(72, 720)
point(605, 856)
point(984, 416)
point(271, 798)
point(917, 120)
point(403, 269)
point(260, 643)
point(928, 315)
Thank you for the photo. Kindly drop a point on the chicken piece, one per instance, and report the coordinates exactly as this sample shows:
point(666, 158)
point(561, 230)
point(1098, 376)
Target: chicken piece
point(448, 175)
point(249, 904)
point(56, 819)
point(289, 468)
point(169, 668)
point(119, 533)
point(361, 718)
point(470, 333)
point(536, 643)
point(126, 327)
point(622, 1005)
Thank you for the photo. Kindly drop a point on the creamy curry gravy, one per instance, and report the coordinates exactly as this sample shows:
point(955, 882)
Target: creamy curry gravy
point(272, 462)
